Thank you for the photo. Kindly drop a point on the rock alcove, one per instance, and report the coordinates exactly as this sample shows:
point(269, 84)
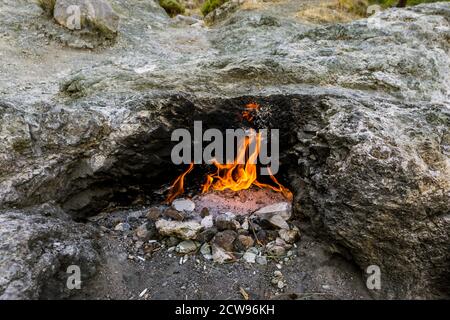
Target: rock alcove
point(364, 145)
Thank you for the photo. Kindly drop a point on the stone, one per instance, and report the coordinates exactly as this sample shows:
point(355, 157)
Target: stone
point(222, 12)
point(207, 222)
point(172, 241)
point(262, 260)
point(277, 279)
point(189, 20)
point(183, 205)
point(153, 214)
point(276, 214)
point(254, 226)
point(265, 236)
point(282, 243)
point(95, 15)
point(290, 236)
point(278, 221)
point(245, 224)
point(282, 209)
point(249, 257)
point(185, 230)
point(243, 232)
point(205, 250)
point(225, 239)
point(207, 235)
point(243, 242)
point(187, 246)
point(274, 249)
point(142, 232)
point(219, 255)
point(174, 214)
point(226, 222)
point(122, 226)
point(204, 212)
point(134, 216)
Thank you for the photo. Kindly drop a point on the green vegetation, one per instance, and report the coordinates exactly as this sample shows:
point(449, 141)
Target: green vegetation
point(47, 5)
point(210, 5)
point(356, 7)
point(393, 3)
point(172, 7)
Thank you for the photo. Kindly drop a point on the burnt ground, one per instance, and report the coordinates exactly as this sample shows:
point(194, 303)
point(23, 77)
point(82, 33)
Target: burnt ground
point(312, 272)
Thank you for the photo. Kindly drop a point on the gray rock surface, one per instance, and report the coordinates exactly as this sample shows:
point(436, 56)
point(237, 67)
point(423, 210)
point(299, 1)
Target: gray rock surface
point(89, 15)
point(363, 109)
point(37, 245)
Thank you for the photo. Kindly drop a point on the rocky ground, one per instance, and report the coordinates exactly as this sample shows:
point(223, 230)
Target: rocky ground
point(156, 269)
point(362, 108)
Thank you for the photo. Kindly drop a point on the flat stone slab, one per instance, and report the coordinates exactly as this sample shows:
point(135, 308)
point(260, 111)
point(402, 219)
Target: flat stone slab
point(244, 202)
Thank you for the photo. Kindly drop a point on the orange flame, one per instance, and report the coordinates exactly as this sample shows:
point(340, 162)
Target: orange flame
point(177, 186)
point(252, 105)
point(237, 176)
point(247, 114)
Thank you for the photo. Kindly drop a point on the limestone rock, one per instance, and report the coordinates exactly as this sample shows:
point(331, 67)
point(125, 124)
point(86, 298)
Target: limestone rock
point(249, 257)
point(185, 230)
point(290, 236)
point(275, 249)
point(225, 239)
point(206, 252)
point(96, 15)
point(183, 205)
point(281, 209)
point(207, 234)
point(174, 214)
point(226, 222)
point(262, 260)
point(142, 232)
point(207, 222)
point(153, 214)
point(36, 247)
point(122, 226)
point(278, 221)
point(243, 242)
point(186, 246)
point(219, 255)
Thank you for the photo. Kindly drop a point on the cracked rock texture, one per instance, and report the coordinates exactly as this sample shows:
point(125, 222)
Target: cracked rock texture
point(37, 245)
point(363, 107)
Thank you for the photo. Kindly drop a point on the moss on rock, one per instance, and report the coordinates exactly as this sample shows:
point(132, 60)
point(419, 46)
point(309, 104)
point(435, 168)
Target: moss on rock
point(210, 5)
point(172, 7)
point(47, 5)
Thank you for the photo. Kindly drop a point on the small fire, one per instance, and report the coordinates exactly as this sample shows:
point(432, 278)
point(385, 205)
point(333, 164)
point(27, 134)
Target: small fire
point(248, 113)
point(236, 176)
point(177, 186)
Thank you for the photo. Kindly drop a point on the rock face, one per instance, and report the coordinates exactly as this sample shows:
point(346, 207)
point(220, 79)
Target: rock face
point(223, 12)
point(363, 110)
point(95, 15)
point(37, 245)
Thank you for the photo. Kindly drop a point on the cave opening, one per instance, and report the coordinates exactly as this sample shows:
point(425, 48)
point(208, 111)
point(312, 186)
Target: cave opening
point(144, 171)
